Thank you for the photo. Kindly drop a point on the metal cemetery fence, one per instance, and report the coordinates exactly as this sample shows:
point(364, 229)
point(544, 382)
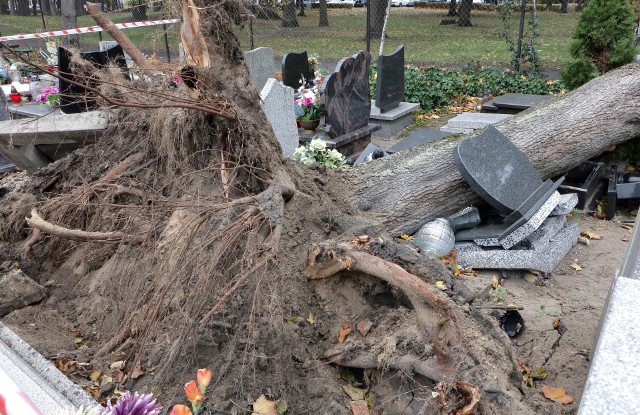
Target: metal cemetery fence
point(446, 33)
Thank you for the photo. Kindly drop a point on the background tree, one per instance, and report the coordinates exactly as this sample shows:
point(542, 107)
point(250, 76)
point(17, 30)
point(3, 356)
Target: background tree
point(603, 40)
point(378, 11)
point(289, 18)
point(564, 6)
point(464, 13)
point(324, 15)
point(453, 8)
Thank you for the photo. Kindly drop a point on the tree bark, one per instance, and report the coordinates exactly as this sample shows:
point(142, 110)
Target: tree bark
point(289, 15)
point(4, 7)
point(410, 188)
point(564, 6)
point(453, 8)
point(464, 13)
point(324, 15)
point(378, 11)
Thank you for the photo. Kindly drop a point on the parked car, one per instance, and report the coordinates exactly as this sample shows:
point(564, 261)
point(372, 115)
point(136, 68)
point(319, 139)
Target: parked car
point(360, 3)
point(340, 3)
point(311, 3)
point(398, 3)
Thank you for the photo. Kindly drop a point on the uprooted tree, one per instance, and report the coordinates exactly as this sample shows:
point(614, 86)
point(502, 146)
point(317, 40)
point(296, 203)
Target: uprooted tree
point(184, 238)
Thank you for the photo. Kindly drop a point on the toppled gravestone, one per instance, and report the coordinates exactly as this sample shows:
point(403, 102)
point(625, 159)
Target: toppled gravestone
point(18, 291)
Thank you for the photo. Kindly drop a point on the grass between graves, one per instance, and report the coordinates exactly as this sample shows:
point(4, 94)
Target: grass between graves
point(419, 29)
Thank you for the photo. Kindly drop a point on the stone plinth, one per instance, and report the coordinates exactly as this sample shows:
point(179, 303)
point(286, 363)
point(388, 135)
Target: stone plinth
point(393, 121)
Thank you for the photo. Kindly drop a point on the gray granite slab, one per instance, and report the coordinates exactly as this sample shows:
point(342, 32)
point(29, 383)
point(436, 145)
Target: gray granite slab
point(544, 259)
point(370, 152)
point(261, 66)
point(497, 170)
point(417, 138)
point(612, 383)
point(403, 108)
point(4, 111)
point(519, 101)
point(567, 202)
point(542, 236)
point(473, 120)
point(449, 130)
point(277, 104)
point(48, 388)
point(532, 224)
point(390, 81)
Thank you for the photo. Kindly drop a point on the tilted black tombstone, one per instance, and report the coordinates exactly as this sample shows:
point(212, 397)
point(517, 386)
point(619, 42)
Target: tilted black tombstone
point(346, 97)
point(74, 98)
point(296, 71)
point(390, 82)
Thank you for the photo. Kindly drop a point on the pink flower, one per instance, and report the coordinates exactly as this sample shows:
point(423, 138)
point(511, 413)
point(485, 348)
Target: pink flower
point(308, 102)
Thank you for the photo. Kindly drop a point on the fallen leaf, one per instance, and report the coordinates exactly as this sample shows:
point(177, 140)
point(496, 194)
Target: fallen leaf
point(312, 319)
point(584, 240)
point(539, 374)
point(625, 238)
point(495, 282)
point(405, 237)
point(529, 277)
point(95, 375)
point(363, 327)
point(440, 285)
point(117, 365)
point(556, 394)
point(362, 241)
point(627, 227)
point(359, 407)
point(293, 319)
point(137, 371)
point(556, 323)
point(78, 340)
point(344, 332)
point(263, 406)
point(356, 394)
point(591, 235)
point(598, 228)
point(281, 406)
point(576, 266)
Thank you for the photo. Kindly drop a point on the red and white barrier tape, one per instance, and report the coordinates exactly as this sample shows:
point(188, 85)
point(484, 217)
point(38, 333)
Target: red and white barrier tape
point(89, 29)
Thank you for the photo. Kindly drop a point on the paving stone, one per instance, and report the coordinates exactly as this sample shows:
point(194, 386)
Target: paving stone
point(473, 120)
point(418, 137)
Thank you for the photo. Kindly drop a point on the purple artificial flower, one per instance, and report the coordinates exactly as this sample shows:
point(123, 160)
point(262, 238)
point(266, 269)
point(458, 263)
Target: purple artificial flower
point(135, 404)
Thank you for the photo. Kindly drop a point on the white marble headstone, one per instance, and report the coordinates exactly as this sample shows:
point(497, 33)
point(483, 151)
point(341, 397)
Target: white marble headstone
point(277, 104)
point(261, 66)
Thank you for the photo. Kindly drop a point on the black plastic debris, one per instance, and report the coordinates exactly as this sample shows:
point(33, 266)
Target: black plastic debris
point(512, 323)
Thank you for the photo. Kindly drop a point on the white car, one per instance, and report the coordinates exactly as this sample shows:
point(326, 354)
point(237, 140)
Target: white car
point(399, 3)
point(340, 3)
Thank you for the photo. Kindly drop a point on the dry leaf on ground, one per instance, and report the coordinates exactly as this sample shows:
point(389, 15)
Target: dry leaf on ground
point(440, 285)
point(263, 406)
point(529, 277)
point(576, 266)
point(344, 332)
point(556, 394)
point(359, 408)
point(356, 394)
point(591, 235)
point(625, 238)
point(137, 371)
point(312, 319)
point(362, 241)
point(363, 327)
point(556, 323)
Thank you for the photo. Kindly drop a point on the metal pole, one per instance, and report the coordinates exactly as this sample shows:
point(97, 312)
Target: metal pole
point(101, 9)
point(523, 9)
point(369, 25)
point(44, 23)
point(166, 42)
point(251, 32)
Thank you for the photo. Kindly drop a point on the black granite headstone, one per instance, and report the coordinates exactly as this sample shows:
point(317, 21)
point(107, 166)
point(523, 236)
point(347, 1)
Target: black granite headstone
point(296, 70)
point(74, 98)
point(497, 170)
point(390, 82)
point(346, 97)
point(418, 137)
point(519, 101)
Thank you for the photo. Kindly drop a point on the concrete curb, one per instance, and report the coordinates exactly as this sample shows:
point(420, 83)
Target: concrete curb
point(48, 388)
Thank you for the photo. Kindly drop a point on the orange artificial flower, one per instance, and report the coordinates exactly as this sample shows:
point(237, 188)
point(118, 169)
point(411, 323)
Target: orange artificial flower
point(181, 410)
point(199, 398)
point(191, 390)
point(204, 377)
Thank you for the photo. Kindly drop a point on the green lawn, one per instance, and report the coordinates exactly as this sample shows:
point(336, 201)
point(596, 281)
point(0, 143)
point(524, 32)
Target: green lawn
point(425, 40)
point(419, 29)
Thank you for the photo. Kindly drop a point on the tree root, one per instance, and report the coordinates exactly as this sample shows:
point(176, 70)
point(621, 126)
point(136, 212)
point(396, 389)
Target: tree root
point(410, 364)
point(434, 310)
point(36, 222)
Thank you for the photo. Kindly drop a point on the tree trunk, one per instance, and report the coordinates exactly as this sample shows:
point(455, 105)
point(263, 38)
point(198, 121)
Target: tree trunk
point(324, 16)
point(80, 7)
point(23, 8)
point(564, 6)
point(300, 3)
point(464, 13)
point(410, 188)
point(139, 13)
point(378, 11)
point(46, 8)
point(69, 19)
point(289, 15)
point(453, 8)
point(4, 7)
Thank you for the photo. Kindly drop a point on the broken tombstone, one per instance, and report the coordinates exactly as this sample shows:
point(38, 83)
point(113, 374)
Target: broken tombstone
point(506, 179)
